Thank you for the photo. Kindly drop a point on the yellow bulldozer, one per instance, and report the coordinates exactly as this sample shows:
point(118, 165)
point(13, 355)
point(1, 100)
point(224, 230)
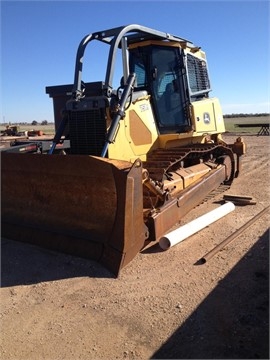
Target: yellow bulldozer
point(126, 163)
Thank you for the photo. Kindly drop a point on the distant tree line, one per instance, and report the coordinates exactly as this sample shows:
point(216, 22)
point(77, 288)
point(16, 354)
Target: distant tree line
point(245, 115)
point(43, 122)
point(34, 123)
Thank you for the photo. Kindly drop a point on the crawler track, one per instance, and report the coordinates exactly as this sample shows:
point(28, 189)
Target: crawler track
point(161, 162)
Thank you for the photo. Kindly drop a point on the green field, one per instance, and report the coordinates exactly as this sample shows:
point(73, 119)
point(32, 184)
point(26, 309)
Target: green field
point(46, 129)
point(230, 123)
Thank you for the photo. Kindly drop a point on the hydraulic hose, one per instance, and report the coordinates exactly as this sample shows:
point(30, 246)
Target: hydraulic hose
point(120, 114)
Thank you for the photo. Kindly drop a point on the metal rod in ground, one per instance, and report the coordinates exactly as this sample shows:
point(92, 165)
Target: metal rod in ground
point(216, 249)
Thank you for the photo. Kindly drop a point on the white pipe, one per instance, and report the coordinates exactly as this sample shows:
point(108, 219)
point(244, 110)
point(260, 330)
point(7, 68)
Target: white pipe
point(183, 232)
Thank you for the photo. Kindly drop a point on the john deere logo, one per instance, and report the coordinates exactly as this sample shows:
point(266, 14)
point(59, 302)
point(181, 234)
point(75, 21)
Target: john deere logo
point(206, 118)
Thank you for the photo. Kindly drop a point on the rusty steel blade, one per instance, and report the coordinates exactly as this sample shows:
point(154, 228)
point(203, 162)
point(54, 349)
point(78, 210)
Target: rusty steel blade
point(79, 204)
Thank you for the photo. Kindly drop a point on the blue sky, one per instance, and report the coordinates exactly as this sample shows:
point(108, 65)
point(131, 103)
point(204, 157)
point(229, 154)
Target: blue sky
point(39, 41)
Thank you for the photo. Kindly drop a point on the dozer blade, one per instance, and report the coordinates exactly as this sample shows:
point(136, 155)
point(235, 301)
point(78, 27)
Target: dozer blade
point(82, 205)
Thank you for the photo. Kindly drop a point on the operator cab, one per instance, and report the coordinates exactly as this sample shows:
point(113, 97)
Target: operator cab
point(160, 70)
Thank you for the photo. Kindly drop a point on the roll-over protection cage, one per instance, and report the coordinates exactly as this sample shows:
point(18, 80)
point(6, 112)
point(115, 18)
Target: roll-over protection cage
point(116, 38)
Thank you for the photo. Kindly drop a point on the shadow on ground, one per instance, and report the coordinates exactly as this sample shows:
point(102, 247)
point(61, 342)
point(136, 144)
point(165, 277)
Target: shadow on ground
point(25, 264)
point(233, 321)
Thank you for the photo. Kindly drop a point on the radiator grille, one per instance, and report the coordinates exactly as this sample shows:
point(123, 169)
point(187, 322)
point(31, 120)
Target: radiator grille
point(197, 74)
point(87, 131)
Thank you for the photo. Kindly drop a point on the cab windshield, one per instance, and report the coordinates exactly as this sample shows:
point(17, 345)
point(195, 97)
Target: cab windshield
point(160, 71)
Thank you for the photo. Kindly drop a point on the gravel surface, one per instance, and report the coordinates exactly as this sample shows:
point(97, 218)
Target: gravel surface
point(164, 305)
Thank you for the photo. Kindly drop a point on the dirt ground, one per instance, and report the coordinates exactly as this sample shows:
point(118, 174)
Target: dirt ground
point(163, 305)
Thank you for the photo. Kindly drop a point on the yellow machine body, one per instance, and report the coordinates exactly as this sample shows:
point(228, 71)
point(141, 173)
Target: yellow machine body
point(139, 157)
